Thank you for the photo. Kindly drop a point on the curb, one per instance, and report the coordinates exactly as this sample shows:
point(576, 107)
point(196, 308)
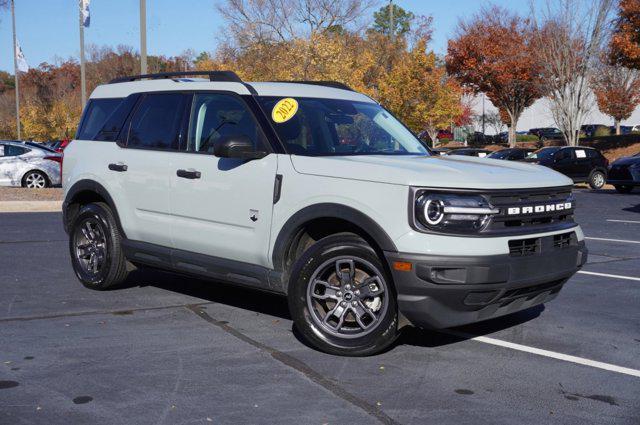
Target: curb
point(30, 206)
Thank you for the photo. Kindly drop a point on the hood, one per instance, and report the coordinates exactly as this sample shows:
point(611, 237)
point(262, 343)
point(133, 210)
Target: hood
point(628, 160)
point(435, 171)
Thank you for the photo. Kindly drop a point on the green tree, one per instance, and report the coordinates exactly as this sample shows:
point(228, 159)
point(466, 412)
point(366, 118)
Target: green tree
point(401, 20)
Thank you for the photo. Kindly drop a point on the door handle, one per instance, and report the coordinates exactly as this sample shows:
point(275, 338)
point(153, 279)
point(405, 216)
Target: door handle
point(120, 167)
point(188, 174)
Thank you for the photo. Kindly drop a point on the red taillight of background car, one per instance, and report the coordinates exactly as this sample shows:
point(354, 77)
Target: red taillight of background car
point(57, 159)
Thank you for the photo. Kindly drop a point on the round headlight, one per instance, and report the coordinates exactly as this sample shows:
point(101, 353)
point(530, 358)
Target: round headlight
point(433, 211)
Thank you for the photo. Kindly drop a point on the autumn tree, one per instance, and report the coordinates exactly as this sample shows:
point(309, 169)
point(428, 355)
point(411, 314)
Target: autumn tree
point(625, 41)
point(617, 90)
point(493, 54)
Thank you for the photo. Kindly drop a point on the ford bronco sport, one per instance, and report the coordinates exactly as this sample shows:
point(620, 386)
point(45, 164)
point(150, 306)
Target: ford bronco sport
point(315, 191)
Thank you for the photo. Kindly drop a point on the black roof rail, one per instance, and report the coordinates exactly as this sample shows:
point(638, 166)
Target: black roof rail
point(228, 76)
point(334, 84)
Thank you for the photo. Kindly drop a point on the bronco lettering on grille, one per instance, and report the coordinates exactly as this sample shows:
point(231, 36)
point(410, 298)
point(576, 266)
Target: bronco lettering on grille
point(536, 209)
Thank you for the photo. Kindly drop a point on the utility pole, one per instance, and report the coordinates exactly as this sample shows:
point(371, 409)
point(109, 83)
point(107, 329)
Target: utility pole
point(15, 69)
point(483, 115)
point(83, 75)
point(143, 36)
point(392, 30)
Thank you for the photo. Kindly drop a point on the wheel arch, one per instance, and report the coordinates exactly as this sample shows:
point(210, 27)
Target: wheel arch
point(83, 192)
point(321, 220)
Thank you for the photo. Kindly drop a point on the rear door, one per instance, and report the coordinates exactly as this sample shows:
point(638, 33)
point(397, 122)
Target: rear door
point(222, 207)
point(583, 164)
point(563, 162)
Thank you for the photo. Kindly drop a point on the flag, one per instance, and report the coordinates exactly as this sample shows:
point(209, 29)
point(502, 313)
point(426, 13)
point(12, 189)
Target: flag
point(20, 59)
point(84, 11)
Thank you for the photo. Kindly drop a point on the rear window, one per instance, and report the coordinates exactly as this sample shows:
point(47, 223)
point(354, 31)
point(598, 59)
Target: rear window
point(96, 114)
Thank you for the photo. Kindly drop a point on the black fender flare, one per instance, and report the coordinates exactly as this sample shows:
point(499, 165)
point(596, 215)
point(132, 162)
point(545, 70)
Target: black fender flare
point(83, 186)
point(327, 210)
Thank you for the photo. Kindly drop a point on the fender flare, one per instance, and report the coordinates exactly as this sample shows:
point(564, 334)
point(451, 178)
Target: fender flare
point(327, 210)
point(87, 185)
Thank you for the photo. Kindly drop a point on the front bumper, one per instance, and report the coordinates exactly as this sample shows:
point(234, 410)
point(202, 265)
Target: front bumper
point(446, 291)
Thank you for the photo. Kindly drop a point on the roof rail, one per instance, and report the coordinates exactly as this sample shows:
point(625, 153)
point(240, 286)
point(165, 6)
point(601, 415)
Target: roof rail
point(334, 84)
point(228, 76)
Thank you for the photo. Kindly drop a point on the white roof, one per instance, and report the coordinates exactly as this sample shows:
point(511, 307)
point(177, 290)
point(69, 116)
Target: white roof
point(262, 88)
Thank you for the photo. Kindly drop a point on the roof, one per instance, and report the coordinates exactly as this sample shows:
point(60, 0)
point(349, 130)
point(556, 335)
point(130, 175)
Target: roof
point(278, 89)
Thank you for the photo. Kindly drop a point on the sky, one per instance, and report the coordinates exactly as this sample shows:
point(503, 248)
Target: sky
point(48, 29)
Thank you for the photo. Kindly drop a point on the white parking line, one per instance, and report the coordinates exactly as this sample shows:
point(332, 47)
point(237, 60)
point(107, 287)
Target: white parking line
point(623, 221)
point(615, 276)
point(551, 354)
point(611, 240)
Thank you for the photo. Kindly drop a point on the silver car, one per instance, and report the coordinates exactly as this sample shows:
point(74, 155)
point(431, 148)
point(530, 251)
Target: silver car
point(28, 164)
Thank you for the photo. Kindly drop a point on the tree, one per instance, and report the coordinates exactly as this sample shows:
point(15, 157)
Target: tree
point(625, 41)
point(617, 91)
point(569, 41)
point(493, 54)
point(402, 20)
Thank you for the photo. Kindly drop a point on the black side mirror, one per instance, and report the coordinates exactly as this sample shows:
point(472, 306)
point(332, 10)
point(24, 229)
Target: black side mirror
point(237, 146)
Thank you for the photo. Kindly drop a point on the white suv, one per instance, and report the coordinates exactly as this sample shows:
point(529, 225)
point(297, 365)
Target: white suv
point(312, 190)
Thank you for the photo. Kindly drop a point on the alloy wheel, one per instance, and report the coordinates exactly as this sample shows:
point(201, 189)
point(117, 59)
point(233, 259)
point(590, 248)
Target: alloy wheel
point(35, 181)
point(90, 246)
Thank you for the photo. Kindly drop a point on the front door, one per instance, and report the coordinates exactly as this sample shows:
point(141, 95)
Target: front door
point(222, 207)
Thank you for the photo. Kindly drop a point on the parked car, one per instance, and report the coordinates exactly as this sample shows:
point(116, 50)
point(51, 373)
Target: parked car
point(445, 134)
point(248, 183)
point(481, 153)
point(29, 165)
point(624, 129)
point(547, 133)
point(624, 173)
point(62, 145)
point(440, 151)
point(511, 154)
point(581, 164)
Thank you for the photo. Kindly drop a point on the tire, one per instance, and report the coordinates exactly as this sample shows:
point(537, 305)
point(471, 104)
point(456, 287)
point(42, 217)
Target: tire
point(35, 180)
point(94, 245)
point(368, 323)
point(597, 180)
point(624, 188)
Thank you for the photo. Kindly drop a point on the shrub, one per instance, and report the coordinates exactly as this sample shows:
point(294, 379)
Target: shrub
point(526, 138)
point(602, 131)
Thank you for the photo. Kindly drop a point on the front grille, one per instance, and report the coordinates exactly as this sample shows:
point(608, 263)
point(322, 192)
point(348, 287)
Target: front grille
point(530, 292)
point(524, 247)
point(527, 222)
point(564, 240)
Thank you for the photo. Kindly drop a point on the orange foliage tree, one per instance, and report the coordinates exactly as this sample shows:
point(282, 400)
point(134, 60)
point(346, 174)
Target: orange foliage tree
point(493, 54)
point(625, 41)
point(617, 91)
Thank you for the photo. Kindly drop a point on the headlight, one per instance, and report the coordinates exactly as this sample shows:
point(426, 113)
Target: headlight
point(450, 213)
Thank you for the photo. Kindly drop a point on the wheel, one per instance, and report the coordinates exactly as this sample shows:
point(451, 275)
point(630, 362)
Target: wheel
point(624, 188)
point(597, 179)
point(342, 299)
point(35, 180)
point(94, 244)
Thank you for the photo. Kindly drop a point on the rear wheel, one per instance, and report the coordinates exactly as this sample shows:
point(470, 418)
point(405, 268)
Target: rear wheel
point(341, 298)
point(597, 180)
point(35, 180)
point(624, 188)
point(94, 244)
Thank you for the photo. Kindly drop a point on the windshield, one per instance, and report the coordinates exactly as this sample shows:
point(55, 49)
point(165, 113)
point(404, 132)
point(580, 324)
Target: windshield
point(321, 127)
point(543, 153)
point(500, 154)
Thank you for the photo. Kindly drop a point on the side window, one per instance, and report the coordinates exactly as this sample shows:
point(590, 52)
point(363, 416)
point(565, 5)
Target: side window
point(215, 116)
point(113, 125)
point(1, 150)
point(592, 153)
point(563, 155)
point(156, 122)
point(96, 113)
point(580, 153)
point(11, 150)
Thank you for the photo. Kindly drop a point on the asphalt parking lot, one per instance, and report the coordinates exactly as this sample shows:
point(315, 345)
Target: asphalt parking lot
point(170, 349)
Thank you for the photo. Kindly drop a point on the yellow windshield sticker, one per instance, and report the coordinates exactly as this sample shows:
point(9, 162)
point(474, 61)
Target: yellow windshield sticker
point(284, 110)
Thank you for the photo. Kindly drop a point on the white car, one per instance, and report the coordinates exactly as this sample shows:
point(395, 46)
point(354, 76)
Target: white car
point(29, 165)
point(314, 191)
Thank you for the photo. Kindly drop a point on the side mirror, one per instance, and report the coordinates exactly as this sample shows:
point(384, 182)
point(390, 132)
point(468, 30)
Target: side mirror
point(237, 146)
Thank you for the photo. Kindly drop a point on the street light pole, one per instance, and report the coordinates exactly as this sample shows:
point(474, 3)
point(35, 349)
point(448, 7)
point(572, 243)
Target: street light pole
point(83, 75)
point(392, 32)
point(143, 37)
point(15, 69)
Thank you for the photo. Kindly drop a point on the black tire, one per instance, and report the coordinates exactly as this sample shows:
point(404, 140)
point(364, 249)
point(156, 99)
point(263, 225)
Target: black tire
point(597, 179)
point(111, 265)
point(33, 175)
point(624, 188)
point(305, 310)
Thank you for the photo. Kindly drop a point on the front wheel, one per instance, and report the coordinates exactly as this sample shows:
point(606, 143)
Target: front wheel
point(342, 299)
point(624, 188)
point(597, 180)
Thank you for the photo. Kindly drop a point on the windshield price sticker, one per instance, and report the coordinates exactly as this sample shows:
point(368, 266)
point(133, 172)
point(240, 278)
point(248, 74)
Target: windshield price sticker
point(284, 110)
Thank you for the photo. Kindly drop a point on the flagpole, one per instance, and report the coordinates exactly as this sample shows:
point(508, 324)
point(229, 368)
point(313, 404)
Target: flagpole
point(15, 70)
point(83, 78)
point(143, 37)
